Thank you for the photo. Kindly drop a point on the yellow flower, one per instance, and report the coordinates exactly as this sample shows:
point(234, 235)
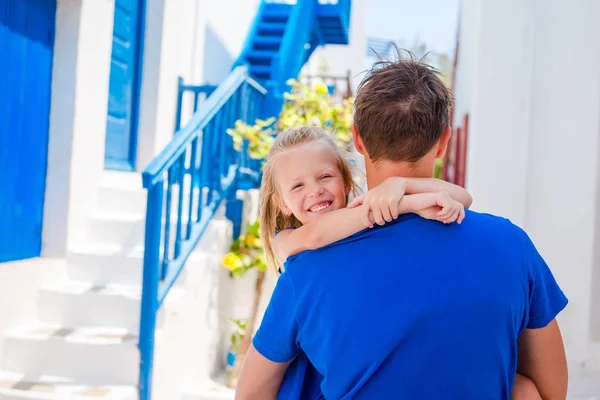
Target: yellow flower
point(321, 88)
point(232, 262)
point(254, 241)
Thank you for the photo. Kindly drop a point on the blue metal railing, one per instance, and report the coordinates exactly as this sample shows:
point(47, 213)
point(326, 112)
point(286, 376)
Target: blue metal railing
point(293, 46)
point(200, 164)
point(291, 55)
point(200, 92)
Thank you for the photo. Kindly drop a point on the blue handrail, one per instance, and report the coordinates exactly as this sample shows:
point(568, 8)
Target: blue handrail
point(202, 151)
point(293, 46)
point(291, 55)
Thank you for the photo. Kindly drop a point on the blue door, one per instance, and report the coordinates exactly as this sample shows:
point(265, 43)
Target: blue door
point(26, 51)
point(125, 78)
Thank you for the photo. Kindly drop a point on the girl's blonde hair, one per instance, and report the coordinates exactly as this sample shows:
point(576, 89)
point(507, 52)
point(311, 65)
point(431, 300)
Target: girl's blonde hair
point(272, 219)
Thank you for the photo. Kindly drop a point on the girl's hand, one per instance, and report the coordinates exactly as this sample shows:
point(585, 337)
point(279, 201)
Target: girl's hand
point(439, 206)
point(380, 204)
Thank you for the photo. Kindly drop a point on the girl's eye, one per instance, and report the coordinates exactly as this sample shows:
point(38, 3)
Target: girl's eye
point(325, 176)
point(296, 186)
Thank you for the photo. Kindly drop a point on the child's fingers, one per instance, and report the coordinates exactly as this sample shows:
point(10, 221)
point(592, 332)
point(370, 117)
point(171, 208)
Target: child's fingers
point(385, 212)
point(394, 211)
point(455, 215)
point(445, 212)
point(377, 217)
point(357, 201)
point(461, 217)
point(451, 216)
point(366, 217)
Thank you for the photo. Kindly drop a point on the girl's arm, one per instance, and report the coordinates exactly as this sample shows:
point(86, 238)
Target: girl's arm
point(427, 185)
point(340, 224)
point(382, 200)
point(328, 228)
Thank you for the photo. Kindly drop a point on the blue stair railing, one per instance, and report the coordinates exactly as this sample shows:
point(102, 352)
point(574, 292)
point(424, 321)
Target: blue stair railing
point(200, 93)
point(290, 58)
point(201, 154)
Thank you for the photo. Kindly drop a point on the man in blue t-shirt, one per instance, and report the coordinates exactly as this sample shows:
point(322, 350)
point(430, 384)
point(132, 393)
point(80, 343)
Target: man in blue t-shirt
point(414, 309)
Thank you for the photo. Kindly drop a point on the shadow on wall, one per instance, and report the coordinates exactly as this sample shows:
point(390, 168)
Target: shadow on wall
point(217, 59)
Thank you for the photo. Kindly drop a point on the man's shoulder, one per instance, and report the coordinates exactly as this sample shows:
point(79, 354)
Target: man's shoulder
point(480, 225)
point(490, 222)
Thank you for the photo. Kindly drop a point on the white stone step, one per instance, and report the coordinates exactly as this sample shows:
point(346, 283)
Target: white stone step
point(127, 230)
point(121, 179)
point(208, 390)
point(132, 199)
point(105, 264)
point(90, 356)
point(18, 386)
point(72, 303)
point(119, 199)
point(123, 229)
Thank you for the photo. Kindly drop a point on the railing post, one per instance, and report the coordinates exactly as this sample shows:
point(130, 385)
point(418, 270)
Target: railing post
point(179, 104)
point(234, 210)
point(150, 288)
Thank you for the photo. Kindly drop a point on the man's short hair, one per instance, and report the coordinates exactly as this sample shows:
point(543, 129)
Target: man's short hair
point(401, 109)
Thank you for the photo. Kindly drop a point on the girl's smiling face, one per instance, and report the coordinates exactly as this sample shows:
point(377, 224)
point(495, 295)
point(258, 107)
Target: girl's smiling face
point(309, 181)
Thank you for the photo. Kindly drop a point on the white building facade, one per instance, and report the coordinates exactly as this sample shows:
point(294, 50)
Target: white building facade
point(528, 77)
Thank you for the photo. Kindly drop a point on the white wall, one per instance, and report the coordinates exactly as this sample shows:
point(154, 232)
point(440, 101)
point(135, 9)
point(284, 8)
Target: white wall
point(78, 110)
point(493, 77)
point(564, 148)
point(340, 59)
point(195, 39)
point(528, 75)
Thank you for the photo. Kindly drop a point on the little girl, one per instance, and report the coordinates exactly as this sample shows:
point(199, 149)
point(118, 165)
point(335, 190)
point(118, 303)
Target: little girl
point(306, 184)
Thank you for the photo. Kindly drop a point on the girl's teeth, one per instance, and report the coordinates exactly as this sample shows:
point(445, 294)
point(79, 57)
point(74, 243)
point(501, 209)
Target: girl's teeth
point(319, 208)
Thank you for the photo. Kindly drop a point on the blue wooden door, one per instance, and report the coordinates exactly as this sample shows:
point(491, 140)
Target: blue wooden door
point(125, 74)
point(26, 51)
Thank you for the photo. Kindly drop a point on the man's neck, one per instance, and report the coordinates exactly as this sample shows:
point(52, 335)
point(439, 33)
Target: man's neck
point(379, 172)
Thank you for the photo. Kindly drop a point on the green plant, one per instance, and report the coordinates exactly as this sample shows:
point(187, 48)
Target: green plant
point(238, 333)
point(259, 137)
point(304, 105)
point(246, 252)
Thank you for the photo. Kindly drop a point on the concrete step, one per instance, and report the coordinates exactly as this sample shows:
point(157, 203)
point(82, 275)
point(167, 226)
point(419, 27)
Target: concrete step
point(105, 264)
point(91, 356)
point(85, 304)
point(118, 199)
point(19, 386)
point(127, 230)
point(208, 390)
point(121, 192)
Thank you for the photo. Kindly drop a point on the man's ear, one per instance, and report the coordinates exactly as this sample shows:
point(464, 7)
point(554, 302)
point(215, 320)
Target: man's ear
point(358, 143)
point(443, 142)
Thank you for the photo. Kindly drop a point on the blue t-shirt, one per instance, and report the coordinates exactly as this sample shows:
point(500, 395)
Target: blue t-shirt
point(415, 309)
point(301, 381)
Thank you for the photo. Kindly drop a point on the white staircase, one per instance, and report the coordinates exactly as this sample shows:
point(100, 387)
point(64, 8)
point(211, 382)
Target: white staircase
point(84, 342)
